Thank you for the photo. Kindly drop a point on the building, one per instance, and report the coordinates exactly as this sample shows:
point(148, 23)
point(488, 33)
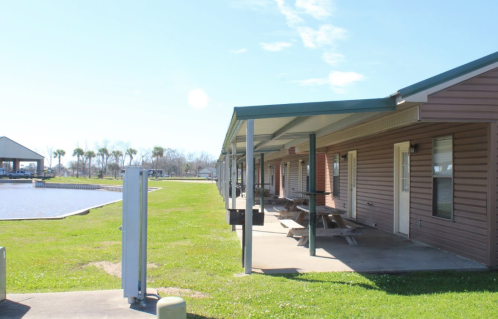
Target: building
point(208, 172)
point(15, 153)
point(421, 163)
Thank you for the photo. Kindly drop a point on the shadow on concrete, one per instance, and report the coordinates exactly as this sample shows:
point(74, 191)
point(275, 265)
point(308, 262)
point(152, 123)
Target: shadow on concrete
point(13, 310)
point(150, 306)
point(419, 283)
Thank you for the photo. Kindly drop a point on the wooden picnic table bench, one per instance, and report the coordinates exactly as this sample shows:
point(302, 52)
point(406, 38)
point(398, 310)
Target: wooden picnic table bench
point(330, 229)
point(290, 207)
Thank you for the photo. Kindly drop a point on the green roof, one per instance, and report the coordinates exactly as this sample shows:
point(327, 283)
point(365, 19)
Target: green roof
point(314, 108)
point(449, 75)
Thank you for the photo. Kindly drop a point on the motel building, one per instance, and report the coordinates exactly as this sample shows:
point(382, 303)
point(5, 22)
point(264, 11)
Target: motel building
point(420, 163)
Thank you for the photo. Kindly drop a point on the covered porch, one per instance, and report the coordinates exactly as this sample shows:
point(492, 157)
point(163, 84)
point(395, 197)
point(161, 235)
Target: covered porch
point(377, 251)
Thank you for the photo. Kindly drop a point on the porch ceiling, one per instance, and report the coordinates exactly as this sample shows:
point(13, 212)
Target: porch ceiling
point(278, 127)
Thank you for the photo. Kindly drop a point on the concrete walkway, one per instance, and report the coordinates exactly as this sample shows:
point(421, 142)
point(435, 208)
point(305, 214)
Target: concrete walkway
point(75, 305)
point(377, 251)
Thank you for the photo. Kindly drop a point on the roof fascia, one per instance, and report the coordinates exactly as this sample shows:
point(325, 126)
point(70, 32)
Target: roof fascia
point(418, 92)
point(314, 108)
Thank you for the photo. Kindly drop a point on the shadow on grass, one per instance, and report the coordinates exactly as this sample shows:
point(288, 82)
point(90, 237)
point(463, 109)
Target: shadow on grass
point(13, 310)
point(410, 284)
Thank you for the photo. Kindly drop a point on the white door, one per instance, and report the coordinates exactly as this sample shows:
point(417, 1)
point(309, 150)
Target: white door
point(352, 184)
point(402, 188)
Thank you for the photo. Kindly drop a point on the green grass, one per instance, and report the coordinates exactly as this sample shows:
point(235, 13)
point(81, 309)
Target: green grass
point(194, 249)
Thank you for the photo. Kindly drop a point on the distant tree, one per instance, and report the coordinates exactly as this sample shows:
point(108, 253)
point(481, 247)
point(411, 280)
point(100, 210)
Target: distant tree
point(157, 152)
point(130, 152)
point(117, 154)
point(90, 155)
point(114, 167)
point(186, 168)
point(58, 154)
point(78, 152)
point(104, 153)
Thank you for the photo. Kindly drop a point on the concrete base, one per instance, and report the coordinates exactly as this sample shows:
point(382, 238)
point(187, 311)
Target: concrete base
point(377, 251)
point(79, 304)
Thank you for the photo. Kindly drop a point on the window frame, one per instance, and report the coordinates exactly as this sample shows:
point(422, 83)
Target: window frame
point(433, 177)
point(338, 195)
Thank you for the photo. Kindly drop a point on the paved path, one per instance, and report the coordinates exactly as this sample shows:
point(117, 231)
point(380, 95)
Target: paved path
point(74, 305)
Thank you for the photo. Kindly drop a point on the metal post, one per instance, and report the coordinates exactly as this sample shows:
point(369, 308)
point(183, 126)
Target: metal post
point(254, 180)
point(241, 178)
point(312, 194)
point(234, 175)
point(227, 179)
point(262, 174)
point(143, 235)
point(249, 195)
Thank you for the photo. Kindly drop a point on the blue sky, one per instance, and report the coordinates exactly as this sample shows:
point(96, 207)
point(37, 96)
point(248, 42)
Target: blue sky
point(169, 73)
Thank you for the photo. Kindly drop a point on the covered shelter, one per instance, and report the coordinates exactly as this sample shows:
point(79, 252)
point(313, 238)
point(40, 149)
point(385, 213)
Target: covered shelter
point(11, 151)
point(420, 163)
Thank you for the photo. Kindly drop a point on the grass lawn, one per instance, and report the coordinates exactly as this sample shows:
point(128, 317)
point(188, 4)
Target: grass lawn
point(189, 241)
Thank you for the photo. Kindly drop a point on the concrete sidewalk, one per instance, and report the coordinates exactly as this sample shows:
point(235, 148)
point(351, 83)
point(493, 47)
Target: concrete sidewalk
point(377, 251)
point(77, 305)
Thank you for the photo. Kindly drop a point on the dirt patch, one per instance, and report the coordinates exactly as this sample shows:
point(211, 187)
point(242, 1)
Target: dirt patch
point(173, 291)
point(114, 269)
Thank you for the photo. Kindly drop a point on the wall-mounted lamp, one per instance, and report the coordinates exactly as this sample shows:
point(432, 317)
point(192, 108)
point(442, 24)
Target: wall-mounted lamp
point(344, 157)
point(413, 148)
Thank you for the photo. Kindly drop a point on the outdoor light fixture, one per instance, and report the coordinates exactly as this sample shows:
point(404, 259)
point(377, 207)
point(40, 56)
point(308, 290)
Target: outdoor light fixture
point(344, 157)
point(413, 148)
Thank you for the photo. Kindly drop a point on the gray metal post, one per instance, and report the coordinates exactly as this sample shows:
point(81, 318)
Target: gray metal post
point(249, 195)
point(234, 175)
point(262, 174)
point(254, 180)
point(226, 179)
point(241, 177)
point(312, 194)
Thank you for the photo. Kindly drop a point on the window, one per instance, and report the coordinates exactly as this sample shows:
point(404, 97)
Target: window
point(442, 177)
point(336, 182)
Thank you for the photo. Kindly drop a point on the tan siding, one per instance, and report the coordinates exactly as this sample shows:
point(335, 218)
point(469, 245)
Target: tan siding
point(466, 235)
point(475, 99)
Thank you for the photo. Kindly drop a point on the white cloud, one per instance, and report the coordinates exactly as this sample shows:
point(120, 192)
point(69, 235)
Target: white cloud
point(276, 46)
point(332, 58)
point(292, 18)
point(138, 92)
point(319, 9)
point(198, 99)
point(337, 80)
point(341, 79)
point(326, 35)
point(238, 51)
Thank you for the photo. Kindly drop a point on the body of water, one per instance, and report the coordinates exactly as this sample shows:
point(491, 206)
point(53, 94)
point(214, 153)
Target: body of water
point(26, 201)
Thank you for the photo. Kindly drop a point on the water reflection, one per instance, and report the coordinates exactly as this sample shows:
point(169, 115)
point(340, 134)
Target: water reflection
point(26, 201)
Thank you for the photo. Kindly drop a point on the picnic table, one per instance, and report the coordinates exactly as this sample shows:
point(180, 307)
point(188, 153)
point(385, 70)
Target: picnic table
point(290, 206)
point(257, 192)
point(336, 228)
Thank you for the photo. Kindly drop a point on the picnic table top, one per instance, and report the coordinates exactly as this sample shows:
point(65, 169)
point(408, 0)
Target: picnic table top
point(298, 199)
point(323, 210)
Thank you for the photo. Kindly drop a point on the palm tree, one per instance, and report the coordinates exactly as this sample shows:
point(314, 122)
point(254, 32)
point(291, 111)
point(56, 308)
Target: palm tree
point(130, 152)
point(104, 152)
point(157, 152)
point(186, 168)
point(58, 154)
point(90, 155)
point(117, 155)
point(78, 152)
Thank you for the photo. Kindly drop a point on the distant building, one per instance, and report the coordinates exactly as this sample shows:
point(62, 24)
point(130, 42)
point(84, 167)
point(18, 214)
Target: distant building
point(15, 153)
point(209, 172)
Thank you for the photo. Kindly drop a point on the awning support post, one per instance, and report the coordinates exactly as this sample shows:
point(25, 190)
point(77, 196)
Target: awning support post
point(234, 178)
point(249, 195)
point(262, 185)
point(312, 195)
